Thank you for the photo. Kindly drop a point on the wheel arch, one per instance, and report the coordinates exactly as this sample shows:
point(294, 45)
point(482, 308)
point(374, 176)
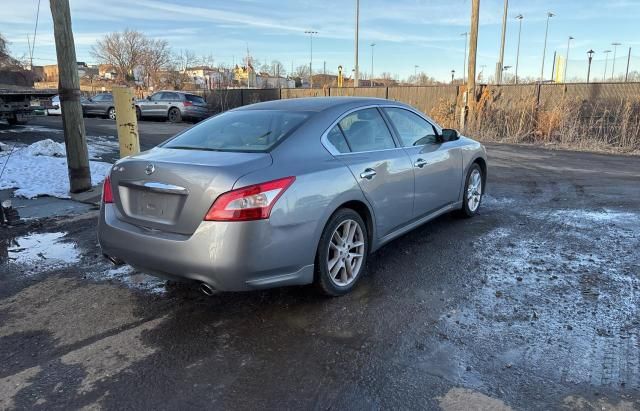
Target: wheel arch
point(483, 167)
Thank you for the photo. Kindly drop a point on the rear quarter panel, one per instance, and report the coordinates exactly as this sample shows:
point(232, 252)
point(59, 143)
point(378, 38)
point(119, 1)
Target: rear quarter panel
point(323, 183)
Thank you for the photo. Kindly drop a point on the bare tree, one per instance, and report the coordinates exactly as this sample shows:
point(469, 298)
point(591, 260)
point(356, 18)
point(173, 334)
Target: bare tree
point(301, 71)
point(422, 79)
point(185, 58)
point(277, 69)
point(123, 51)
point(156, 56)
point(6, 60)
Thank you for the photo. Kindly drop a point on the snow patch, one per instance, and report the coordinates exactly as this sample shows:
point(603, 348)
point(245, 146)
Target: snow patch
point(131, 278)
point(41, 169)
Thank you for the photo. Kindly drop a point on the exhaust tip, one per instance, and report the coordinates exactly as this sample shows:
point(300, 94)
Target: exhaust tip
point(114, 260)
point(207, 289)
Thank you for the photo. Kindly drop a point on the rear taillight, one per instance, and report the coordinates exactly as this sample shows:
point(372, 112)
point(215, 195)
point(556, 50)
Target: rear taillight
point(107, 194)
point(187, 103)
point(248, 203)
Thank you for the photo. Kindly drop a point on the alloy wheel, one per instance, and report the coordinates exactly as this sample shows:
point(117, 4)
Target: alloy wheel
point(346, 253)
point(474, 190)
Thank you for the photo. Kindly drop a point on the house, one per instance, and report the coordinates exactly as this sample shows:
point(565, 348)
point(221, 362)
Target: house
point(266, 80)
point(107, 71)
point(50, 72)
point(244, 76)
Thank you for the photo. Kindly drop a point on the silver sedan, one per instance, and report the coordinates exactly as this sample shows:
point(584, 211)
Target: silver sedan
point(286, 192)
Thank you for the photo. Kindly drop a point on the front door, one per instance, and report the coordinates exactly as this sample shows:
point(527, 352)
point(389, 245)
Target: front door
point(149, 107)
point(382, 169)
point(437, 166)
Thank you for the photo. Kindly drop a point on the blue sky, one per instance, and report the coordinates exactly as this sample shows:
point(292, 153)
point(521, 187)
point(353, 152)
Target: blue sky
point(406, 32)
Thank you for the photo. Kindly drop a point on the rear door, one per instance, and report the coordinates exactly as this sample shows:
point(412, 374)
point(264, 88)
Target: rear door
point(105, 104)
point(168, 99)
point(363, 141)
point(437, 166)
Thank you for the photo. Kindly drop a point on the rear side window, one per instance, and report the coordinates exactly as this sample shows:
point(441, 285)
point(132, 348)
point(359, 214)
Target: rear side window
point(336, 138)
point(243, 130)
point(412, 129)
point(195, 99)
point(365, 130)
point(170, 96)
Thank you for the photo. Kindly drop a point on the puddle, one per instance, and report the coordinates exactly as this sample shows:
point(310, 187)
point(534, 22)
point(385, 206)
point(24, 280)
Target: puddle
point(98, 146)
point(42, 252)
point(29, 129)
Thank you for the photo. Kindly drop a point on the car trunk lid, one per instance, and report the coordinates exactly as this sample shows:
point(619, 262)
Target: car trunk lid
point(172, 189)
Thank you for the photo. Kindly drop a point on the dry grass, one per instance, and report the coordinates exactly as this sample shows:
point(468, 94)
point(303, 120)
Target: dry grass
point(566, 123)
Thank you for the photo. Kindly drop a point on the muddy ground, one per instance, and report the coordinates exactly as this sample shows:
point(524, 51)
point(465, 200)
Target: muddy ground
point(533, 304)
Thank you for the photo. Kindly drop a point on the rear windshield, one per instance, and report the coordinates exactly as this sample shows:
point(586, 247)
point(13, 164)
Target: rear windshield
point(244, 130)
point(195, 99)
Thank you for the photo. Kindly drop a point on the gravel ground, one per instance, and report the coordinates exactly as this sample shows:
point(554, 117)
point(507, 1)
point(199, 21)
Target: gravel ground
point(532, 304)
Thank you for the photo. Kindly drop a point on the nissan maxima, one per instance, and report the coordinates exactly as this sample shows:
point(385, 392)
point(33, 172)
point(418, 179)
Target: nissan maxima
point(286, 192)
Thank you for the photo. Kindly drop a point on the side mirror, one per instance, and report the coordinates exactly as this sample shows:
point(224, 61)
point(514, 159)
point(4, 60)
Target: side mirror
point(449, 134)
point(148, 98)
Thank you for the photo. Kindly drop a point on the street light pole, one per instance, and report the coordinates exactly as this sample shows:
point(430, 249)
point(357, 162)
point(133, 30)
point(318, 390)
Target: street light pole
point(453, 74)
point(311, 33)
point(464, 65)
point(504, 33)
point(519, 17)
point(590, 54)
point(356, 68)
point(372, 46)
point(566, 63)
point(415, 73)
point(544, 50)
point(613, 64)
point(606, 63)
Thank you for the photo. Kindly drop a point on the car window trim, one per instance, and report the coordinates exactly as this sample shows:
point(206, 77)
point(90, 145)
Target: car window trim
point(324, 140)
point(435, 130)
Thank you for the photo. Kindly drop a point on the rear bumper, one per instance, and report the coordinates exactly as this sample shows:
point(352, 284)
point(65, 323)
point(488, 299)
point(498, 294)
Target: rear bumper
point(229, 256)
point(195, 112)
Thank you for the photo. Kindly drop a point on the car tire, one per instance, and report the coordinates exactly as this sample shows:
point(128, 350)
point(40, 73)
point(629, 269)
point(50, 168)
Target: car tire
point(473, 191)
point(174, 115)
point(138, 113)
point(337, 257)
point(111, 113)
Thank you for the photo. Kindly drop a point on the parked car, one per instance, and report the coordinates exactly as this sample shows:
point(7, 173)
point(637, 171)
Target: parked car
point(174, 106)
point(55, 108)
point(286, 192)
point(100, 105)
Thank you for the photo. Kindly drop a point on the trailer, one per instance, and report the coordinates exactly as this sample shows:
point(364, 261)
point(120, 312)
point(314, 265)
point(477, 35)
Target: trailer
point(19, 104)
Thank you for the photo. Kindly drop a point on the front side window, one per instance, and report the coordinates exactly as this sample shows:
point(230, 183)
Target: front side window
point(412, 129)
point(170, 96)
point(243, 130)
point(97, 97)
point(365, 130)
point(156, 97)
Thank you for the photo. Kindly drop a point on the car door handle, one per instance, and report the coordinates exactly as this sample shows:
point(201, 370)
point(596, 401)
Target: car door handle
point(369, 173)
point(420, 163)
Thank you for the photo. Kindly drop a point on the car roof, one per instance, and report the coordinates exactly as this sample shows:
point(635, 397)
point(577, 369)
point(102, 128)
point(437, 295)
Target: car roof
point(317, 103)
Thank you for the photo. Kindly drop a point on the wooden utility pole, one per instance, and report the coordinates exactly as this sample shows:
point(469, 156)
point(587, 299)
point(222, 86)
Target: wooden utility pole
point(69, 90)
point(469, 97)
